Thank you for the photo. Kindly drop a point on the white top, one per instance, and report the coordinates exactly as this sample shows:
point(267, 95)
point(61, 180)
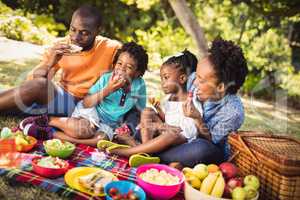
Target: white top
point(174, 116)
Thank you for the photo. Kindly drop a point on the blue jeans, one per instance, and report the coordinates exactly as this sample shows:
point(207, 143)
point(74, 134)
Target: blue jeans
point(192, 153)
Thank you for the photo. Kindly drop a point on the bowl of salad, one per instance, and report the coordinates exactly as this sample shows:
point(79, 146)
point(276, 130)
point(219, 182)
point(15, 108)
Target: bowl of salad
point(50, 167)
point(58, 148)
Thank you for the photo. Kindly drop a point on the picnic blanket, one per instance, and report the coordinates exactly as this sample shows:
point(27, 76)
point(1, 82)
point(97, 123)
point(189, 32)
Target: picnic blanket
point(22, 171)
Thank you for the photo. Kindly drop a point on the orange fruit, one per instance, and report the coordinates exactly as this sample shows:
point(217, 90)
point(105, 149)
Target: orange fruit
point(211, 168)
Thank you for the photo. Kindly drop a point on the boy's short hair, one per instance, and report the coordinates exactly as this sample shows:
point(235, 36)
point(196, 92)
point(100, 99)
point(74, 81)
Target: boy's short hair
point(229, 63)
point(138, 53)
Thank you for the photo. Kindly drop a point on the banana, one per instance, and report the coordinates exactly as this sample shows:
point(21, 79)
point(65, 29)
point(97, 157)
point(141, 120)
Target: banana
point(209, 182)
point(219, 187)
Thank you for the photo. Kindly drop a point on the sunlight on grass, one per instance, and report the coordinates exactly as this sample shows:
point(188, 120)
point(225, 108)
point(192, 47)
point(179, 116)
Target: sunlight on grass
point(14, 72)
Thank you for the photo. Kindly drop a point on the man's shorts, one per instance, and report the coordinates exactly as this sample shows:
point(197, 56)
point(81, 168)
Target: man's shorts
point(63, 104)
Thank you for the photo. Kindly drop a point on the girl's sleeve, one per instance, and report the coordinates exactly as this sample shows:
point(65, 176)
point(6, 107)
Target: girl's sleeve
point(100, 84)
point(142, 97)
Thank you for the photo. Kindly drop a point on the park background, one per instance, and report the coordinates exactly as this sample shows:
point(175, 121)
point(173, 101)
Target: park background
point(267, 30)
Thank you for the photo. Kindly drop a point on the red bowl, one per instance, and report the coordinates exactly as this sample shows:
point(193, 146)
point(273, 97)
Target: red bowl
point(48, 172)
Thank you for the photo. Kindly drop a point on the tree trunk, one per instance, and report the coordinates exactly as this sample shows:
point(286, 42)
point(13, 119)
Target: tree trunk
point(190, 24)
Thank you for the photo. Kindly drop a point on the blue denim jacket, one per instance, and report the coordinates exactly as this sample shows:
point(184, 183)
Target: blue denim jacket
point(221, 117)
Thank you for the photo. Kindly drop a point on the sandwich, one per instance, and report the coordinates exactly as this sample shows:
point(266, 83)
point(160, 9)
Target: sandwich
point(95, 182)
point(75, 49)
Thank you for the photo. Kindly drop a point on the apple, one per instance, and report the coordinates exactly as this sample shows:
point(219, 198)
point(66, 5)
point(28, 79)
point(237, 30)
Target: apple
point(250, 192)
point(231, 185)
point(238, 194)
point(227, 192)
point(252, 180)
point(201, 171)
point(228, 169)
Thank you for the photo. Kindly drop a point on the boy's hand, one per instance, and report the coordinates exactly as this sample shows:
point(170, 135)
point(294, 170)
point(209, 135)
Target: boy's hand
point(189, 110)
point(115, 84)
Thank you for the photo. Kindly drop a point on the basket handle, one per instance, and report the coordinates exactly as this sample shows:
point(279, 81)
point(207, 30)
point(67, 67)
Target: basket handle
point(266, 135)
point(247, 148)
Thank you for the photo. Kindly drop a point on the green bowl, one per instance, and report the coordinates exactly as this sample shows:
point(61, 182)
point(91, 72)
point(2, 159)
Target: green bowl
point(61, 152)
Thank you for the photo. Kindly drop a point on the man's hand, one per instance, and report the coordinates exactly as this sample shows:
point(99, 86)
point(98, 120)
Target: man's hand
point(56, 52)
point(189, 110)
point(115, 84)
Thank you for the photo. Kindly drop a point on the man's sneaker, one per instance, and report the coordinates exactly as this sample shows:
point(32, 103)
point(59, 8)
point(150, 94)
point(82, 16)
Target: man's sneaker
point(38, 132)
point(41, 120)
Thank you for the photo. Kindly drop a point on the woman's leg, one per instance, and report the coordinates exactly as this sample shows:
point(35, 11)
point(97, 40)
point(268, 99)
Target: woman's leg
point(78, 128)
point(190, 154)
point(148, 119)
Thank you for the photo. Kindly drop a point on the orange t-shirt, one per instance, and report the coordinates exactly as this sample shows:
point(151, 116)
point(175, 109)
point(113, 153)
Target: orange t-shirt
point(81, 70)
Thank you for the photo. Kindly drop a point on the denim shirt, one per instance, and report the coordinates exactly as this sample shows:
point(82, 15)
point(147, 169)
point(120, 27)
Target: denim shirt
point(222, 117)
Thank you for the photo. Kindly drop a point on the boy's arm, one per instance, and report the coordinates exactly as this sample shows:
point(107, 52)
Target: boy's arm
point(94, 99)
point(158, 144)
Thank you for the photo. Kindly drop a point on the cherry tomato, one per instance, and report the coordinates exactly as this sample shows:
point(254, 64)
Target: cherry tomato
point(117, 197)
point(133, 196)
point(113, 192)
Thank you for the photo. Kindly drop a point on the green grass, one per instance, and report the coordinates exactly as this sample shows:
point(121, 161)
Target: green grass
point(263, 116)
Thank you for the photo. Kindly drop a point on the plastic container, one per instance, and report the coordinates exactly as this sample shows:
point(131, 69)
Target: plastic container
point(48, 172)
point(160, 192)
point(61, 153)
point(123, 187)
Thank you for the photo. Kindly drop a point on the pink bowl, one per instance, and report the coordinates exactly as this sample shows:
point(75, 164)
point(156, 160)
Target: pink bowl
point(160, 192)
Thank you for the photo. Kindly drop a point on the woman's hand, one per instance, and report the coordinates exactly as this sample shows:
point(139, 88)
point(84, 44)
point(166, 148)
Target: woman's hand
point(189, 110)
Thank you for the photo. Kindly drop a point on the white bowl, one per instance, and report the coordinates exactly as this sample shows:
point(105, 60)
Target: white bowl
point(191, 193)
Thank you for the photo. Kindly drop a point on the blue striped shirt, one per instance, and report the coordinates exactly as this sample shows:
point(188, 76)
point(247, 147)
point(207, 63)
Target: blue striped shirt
point(222, 117)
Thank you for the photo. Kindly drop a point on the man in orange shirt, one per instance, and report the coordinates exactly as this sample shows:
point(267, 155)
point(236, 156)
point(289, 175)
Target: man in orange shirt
point(39, 94)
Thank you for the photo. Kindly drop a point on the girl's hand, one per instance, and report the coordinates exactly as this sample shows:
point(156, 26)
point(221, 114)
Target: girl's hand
point(189, 110)
point(154, 102)
point(115, 84)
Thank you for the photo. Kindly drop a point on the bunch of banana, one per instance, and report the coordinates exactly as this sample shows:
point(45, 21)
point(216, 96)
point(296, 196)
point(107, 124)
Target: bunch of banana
point(213, 184)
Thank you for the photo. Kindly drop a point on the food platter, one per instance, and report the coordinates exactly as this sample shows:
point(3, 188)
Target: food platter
point(73, 175)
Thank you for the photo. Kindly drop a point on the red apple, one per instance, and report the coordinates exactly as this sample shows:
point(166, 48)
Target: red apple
point(231, 184)
point(228, 169)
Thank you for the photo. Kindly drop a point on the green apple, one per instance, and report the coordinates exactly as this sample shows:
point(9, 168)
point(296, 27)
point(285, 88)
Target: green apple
point(252, 180)
point(238, 194)
point(250, 192)
point(201, 171)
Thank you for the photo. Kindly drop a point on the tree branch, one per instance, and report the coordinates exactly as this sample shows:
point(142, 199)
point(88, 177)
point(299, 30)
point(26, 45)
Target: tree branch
point(190, 24)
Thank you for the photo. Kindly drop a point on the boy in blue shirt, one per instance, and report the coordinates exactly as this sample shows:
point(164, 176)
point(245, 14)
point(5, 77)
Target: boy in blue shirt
point(108, 100)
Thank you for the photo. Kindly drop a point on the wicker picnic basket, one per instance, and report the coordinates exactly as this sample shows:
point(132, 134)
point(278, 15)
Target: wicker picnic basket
point(274, 159)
